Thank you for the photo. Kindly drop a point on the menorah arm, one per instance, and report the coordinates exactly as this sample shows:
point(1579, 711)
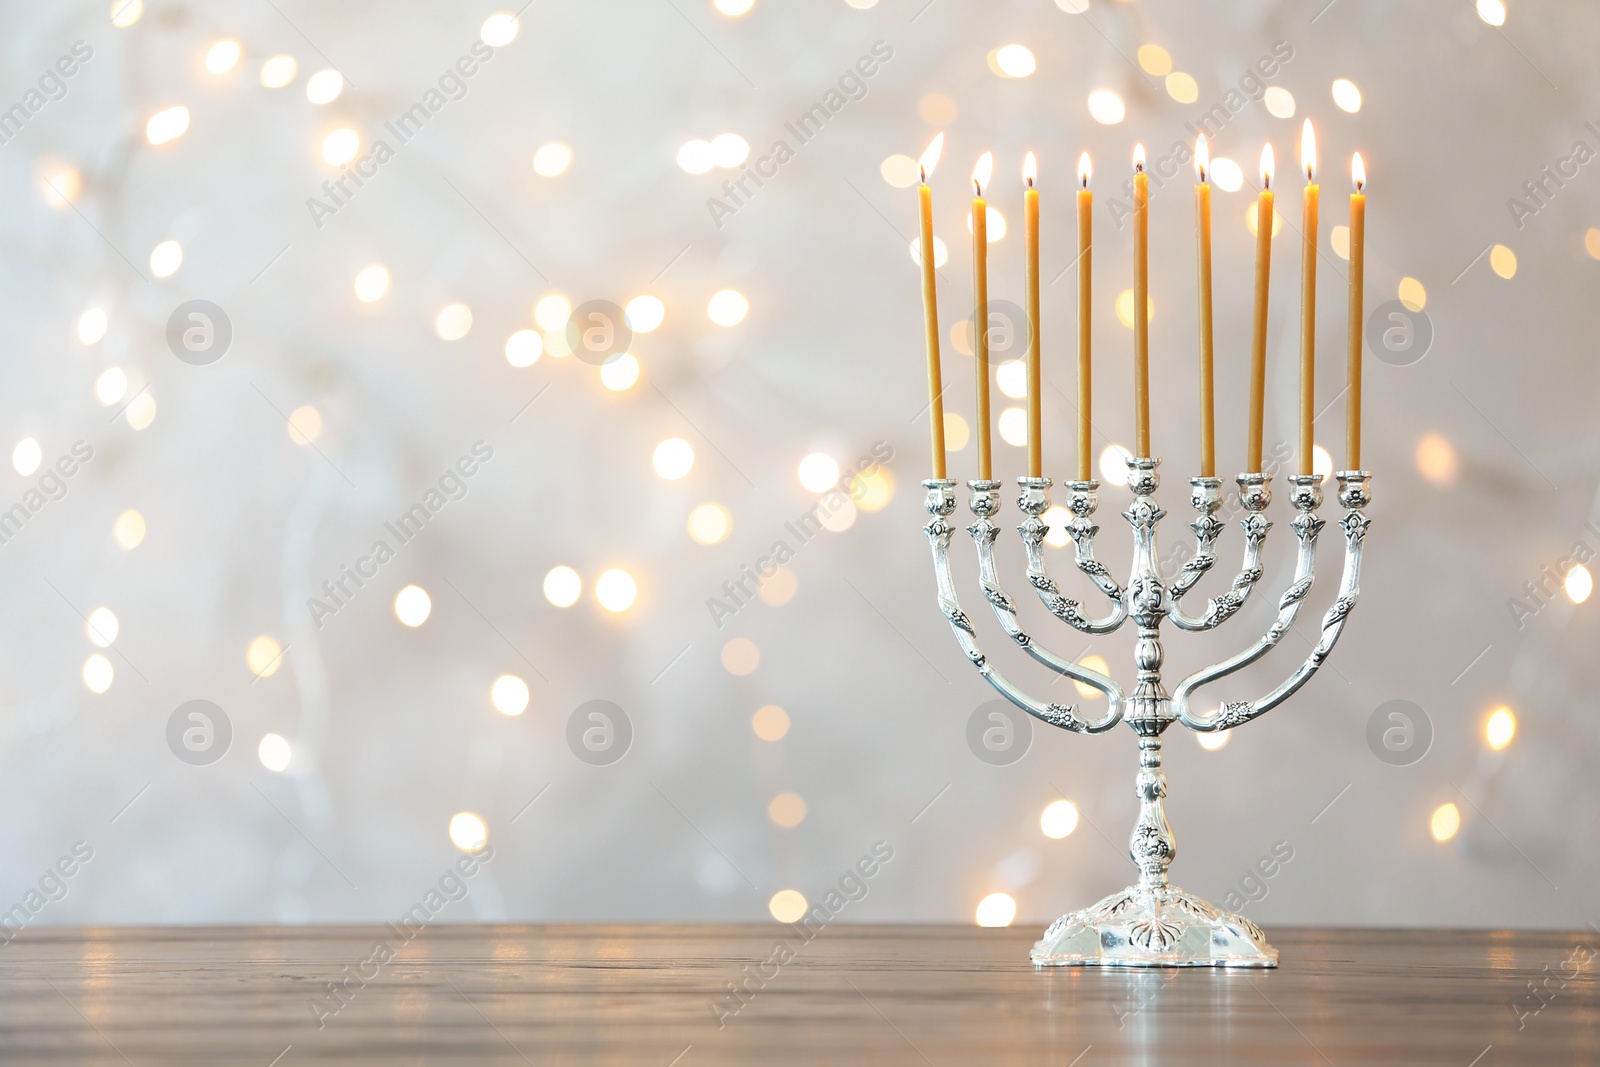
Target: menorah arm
point(1206, 497)
point(1034, 500)
point(1354, 496)
point(940, 503)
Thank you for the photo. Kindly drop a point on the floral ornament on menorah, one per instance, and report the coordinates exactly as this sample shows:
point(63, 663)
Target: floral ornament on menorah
point(1152, 923)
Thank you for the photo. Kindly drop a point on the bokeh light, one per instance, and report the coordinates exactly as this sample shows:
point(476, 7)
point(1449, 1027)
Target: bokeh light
point(1503, 261)
point(1492, 11)
point(26, 456)
point(710, 523)
point(779, 589)
point(696, 157)
point(644, 313)
point(274, 753)
point(341, 146)
point(727, 307)
point(729, 150)
point(552, 159)
point(620, 372)
point(1279, 102)
point(324, 87)
point(787, 810)
point(1155, 60)
point(412, 606)
point(98, 674)
point(1446, 821)
point(788, 905)
point(673, 458)
point(1011, 377)
point(1215, 740)
point(499, 29)
point(1182, 87)
point(1413, 294)
point(770, 723)
point(453, 322)
point(167, 126)
point(1578, 584)
point(223, 56)
point(956, 432)
point(562, 586)
point(1346, 95)
point(616, 590)
point(305, 424)
point(818, 472)
point(125, 13)
point(740, 656)
point(1500, 728)
point(166, 258)
point(1013, 426)
point(941, 253)
point(1125, 308)
point(468, 831)
point(279, 71)
point(1015, 61)
point(1436, 459)
point(523, 348)
point(1092, 662)
point(129, 530)
point(1059, 819)
point(1226, 174)
point(102, 627)
point(263, 656)
point(1114, 464)
point(1106, 107)
point(996, 909)
point(509, 695)
point(552, 312)
point(1056, 517)
point(900, 171)
point(372, 283)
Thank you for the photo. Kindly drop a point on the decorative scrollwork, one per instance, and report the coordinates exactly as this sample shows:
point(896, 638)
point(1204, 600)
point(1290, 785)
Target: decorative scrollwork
point(1063, 716)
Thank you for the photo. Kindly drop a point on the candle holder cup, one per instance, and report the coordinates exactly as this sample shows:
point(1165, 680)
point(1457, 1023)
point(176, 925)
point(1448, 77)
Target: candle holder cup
point(1152, 923)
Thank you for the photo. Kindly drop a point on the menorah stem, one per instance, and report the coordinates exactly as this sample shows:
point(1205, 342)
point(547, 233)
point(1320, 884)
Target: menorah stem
point(1152, 845)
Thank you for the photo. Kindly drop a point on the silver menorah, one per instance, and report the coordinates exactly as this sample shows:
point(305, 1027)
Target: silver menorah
point(1152, 923)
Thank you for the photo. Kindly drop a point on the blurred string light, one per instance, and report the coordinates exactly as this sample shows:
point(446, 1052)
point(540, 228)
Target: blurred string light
point(620, 372)
point(779, 589)
point(509, 695)
point(1339, 241)
point(1073, 7)
point(1279, 102)
point(1591, 242)
point(562, 586)
point(274, 753)
point(372, 283)
point(1250, 220)
point(324, 87)
point(111, 386)
point(1106, 107)
point(1057, 517)
point(1125, 308)
point(1579, 583)
point(125, 13)
point(129, 530)
point(1226, 175)
point(1503, 261)
point(102, 627)
point(141, 411)
point(956, 431)
point(696, 157)
point(1436, 459)
point(453, 322)
point(264, 656)
point(994, 226)
point(1013, 426)
point(899, 171)
point(341, 146)
point(872, 489)
point(787, 810)
point(770, 723)
point(1346, 95)
point(1059, 819)
point(729, 150)
point(552, 311)
point(1182, 87)
point(996, 909)
point(524, 348)
point(1013, 61)
point(91, 326)
point(279, 71)
point(26, 456)
point(1446, 821)
point(733, 8)
point(305, 424)
point(727, 307)
point(786, 905)
point(644, 313)
point(499, 29)
point(1321, 462)
point(941, 253)
point(673, 458)
point(167, 125)
point(1155, 60)
point(552, 159)
point(1114, 464)
point(98, 673)
point(710, 523)
point(1214, 741)
point(60, 184)
point(1011, 377)
point(1492, 11)
point(166, 258)
point(1413, 294)
point(412, 606)
point(1091, 662)
point(223, 56)
point(1500, 728)
point(468, 831)
point(818, 472)
point(740, 657)
point(616, 590)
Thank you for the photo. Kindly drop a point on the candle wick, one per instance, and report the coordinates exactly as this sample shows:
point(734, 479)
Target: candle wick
point(1138, 168)
point(1030, 183)
point(1360, 186)
point(1266, 181)
point(1202, 175)
point(978, 189)
point(922, 174)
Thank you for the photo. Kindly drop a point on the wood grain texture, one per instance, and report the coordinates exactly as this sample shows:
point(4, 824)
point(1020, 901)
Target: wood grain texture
point(852, 994)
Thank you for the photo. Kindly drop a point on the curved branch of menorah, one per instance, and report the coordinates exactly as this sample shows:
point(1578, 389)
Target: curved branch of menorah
point(1353, 495)
point(941, 503)
point(1034, 500)
point(1206, 496)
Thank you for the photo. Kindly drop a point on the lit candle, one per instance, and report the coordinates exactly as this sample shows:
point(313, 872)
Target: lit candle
point(1030, 231)
point(1358, 248)
point(1258, 333)
point(1202, 221)
point(980, 306)
point(930, 305)
point(1308, 296)
point(1085, 287)
point(1141, 302)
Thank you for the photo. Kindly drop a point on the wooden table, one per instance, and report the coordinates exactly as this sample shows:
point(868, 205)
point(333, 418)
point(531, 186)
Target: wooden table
point(877, 995)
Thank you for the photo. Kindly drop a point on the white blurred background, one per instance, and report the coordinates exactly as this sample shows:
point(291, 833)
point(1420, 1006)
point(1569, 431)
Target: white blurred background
point(417, 320)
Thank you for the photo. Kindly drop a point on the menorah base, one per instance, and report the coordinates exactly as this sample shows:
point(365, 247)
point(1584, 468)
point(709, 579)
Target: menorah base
point(1164, 927)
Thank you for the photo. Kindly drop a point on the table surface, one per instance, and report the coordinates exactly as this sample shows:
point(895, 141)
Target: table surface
point(660, 994)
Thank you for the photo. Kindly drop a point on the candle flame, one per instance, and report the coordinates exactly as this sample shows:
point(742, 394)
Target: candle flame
point(1138, 158)
point(930, 156)
point(1202, 156)
point(981, 172)
point(1308, 150)
point(1084, 170)
point(1266, 166)
point(1358, 172)
point(1030, 169)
